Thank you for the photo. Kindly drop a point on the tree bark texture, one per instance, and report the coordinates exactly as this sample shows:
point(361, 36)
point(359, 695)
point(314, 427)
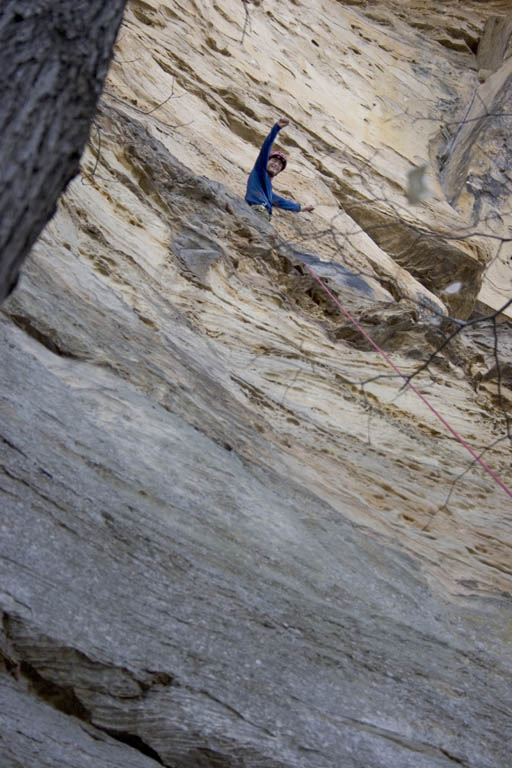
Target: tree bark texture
point(54, 56)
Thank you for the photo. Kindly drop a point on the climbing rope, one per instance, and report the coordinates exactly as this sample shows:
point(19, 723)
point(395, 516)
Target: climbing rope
point(408, 383)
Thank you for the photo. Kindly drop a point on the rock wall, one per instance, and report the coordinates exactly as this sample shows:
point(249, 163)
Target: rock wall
point(229, 538)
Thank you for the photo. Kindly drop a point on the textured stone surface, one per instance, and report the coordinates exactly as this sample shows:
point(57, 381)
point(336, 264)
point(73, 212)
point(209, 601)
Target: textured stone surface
point(217, 548)
point(494, 45)
point(53, 63)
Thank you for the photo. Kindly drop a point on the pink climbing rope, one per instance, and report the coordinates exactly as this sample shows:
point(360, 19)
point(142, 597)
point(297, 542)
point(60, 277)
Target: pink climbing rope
point(414, 389)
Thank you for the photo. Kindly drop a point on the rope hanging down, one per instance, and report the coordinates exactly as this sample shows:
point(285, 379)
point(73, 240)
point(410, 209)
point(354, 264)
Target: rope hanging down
point(406, 379)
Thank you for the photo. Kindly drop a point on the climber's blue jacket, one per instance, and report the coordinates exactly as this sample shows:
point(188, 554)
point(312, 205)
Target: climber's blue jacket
point(259, 184)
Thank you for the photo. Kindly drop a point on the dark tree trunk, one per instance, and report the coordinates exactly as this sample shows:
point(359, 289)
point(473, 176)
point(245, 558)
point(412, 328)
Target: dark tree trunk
point(54, 56)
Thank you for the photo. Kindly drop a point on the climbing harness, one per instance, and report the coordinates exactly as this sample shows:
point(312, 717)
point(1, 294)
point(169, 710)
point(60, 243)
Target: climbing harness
point(262, 210)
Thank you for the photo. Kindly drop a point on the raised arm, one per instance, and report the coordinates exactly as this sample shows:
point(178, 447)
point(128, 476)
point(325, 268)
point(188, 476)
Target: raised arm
point(261, 163)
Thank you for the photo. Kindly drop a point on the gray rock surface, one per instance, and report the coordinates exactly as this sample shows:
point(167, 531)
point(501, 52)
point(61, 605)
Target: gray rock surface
point(199, 600)
point(53, 737)
point(218, 548)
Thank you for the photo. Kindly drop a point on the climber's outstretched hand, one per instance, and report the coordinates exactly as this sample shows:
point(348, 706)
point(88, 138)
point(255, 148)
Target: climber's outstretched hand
point(283, 122)
point(308, 208)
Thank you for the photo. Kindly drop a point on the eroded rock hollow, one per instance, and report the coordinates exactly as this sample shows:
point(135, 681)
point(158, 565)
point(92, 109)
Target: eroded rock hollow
point(230, 536)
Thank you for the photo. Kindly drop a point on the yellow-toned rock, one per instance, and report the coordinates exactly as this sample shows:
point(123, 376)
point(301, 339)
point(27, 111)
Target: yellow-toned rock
point(232, 536)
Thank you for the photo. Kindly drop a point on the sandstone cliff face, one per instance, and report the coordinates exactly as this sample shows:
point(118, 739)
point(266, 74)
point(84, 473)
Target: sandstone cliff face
point(228, 537)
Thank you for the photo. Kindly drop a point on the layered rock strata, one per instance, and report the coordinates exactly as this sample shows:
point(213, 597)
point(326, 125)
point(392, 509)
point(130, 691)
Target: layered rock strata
point(228, 537)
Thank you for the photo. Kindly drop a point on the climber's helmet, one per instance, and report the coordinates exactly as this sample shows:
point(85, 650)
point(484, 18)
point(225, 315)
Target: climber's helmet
point(276, 163)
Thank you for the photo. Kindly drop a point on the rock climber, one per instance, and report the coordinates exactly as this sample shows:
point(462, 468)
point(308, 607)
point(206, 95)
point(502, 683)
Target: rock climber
point(259, 193)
